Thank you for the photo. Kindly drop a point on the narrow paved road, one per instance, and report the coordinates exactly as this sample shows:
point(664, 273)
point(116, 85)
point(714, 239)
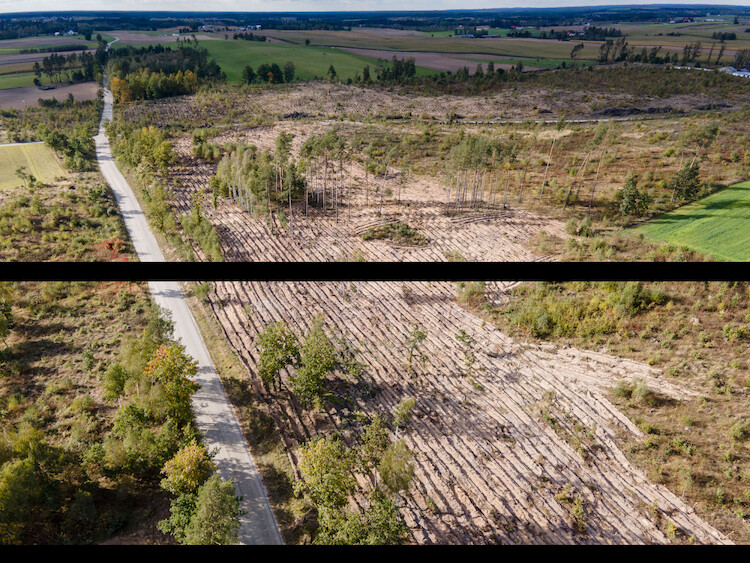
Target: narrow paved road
point(213, 412)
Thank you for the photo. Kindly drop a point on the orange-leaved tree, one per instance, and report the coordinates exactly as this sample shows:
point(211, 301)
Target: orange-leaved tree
point(171, 367)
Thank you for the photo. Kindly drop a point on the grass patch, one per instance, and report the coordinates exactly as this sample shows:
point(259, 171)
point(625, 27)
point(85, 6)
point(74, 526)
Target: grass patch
point(715, 225)
point(39, 161)
point(309, 62)
point(400, 233)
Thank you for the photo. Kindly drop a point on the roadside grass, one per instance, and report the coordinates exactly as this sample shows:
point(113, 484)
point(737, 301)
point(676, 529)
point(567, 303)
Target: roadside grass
point(38, 159)
point(716, 225)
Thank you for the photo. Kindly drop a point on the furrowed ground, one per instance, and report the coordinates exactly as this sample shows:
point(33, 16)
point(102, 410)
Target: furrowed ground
point(403, 161)
point(545, 417)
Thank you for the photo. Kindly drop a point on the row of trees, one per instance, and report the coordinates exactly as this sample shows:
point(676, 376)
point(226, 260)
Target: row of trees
point(685, 186)
point(249, 36)
point(590, 33)
point(147, 85)
point(328, 468)
point(269, 73)
point(74, 67)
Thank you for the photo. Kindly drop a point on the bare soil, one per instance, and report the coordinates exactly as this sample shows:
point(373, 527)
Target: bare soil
point(21, 98)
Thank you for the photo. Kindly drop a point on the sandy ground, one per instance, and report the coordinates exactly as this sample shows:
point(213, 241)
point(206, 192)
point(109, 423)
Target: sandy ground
point(488, 467)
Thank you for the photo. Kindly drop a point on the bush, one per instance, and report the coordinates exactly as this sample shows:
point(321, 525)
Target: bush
point(571, 226)
point(642, 394)
point(740, 431)
point(217, 514)
point(114, 381)
point(187, 470)
point(470, 293)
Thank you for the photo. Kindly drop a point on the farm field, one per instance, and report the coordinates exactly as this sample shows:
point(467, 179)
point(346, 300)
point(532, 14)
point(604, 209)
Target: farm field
point(36, 157)
point(715, 225)
point(15, 45)
point(28, 96)
point(507, 47)
point(446, 62)
point(309, 62)
point(14, 80)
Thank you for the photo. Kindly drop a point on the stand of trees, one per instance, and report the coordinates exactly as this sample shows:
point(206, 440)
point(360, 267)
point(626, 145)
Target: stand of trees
point(250, 36)
point(256, 180)
point(157, 71)
point(74, 67)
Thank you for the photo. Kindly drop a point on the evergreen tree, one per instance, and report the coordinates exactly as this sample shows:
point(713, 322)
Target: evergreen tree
point(631, 200)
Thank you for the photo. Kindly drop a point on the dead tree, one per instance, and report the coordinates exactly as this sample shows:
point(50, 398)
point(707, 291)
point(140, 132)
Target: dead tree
point(580, 171)
point(596, 179)
point(523, 180)
point(546, 168)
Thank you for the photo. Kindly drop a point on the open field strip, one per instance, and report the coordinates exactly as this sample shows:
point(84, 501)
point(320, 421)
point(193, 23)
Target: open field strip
point(19, 80)
point(36, 157)
point(309, 62)
point(715, 225)
point(508, 47)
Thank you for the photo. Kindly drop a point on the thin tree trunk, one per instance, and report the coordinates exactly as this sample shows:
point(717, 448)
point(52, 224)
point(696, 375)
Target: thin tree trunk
point(596, 179)
point(546, 168)
point(507, 185)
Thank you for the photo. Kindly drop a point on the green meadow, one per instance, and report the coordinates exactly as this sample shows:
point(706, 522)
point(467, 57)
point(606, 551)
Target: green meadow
point(309, 62)
point(38, 159)
point(718, 225)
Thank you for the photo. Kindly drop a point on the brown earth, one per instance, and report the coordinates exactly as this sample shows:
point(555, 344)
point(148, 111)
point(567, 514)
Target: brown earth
point(20, 98)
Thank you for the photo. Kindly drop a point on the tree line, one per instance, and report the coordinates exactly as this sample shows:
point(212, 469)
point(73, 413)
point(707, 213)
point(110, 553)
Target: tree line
point(75, 68)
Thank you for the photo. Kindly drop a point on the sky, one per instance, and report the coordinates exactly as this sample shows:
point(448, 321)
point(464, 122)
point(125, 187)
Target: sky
point(9, 6)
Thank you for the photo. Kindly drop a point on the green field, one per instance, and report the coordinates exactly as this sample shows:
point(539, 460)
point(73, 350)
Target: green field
point(20, 79)
point(39, 161)
point(718, 225)
point(505, 47)
point(309, 62)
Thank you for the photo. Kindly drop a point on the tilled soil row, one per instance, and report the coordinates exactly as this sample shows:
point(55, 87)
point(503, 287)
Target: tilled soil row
point(485, 457)
point(503, 446)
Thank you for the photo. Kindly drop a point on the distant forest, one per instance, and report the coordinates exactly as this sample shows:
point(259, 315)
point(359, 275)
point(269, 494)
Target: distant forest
point(27, 24)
